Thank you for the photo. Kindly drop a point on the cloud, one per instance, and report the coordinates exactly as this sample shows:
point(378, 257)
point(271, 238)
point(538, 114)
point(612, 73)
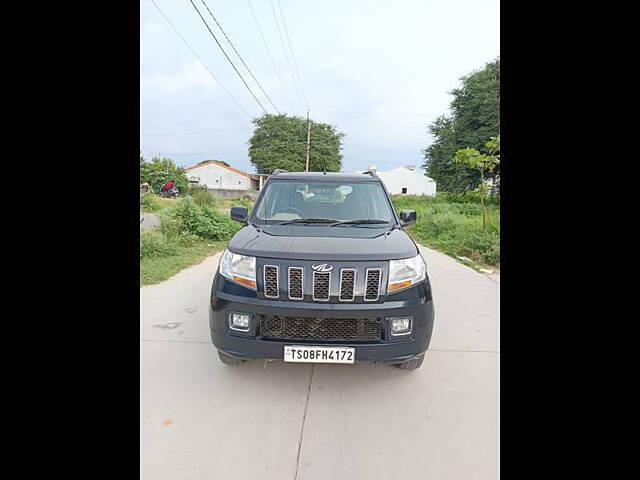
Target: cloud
point(191, 75)
point(378, 72)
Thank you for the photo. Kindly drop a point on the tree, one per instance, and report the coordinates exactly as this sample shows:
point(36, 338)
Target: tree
point(475, 116)
point(280, 141)
point(158, 171)
point(218, 161)
point(482, 163)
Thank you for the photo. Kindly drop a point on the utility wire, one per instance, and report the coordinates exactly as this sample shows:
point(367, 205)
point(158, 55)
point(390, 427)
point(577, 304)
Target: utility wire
point(227, 57)
point(201, 61)
point(273, 63)
point(241, 59)
point(284, 50)
point(293, 57)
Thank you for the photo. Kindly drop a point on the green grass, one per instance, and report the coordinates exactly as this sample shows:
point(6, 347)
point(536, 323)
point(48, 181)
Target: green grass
point(152, 203)
point(191, 228)
point(156, 269)
point(453, 224)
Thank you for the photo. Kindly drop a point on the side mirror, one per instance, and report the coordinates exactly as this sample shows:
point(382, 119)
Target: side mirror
point(239, 214)
point(407, 217)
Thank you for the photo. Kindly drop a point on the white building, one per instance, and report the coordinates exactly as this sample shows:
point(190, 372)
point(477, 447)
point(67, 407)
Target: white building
point(407, 180)
point(217, 176)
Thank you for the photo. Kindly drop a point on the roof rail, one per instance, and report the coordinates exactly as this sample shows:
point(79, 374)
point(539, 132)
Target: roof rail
point(278, 171)
point(370, 172)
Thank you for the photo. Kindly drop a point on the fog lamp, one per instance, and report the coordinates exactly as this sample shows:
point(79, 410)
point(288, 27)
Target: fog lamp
point(239, 321)
point(400, 326)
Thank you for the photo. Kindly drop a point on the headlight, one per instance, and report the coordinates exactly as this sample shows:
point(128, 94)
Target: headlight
point(239, 268)
point(406, 272)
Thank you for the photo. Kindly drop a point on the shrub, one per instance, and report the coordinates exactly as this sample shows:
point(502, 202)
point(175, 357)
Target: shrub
point(174, 231)
point(158, 171)
point(204, 222)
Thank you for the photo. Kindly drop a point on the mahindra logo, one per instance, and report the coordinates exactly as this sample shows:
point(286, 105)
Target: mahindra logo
point(322, 267)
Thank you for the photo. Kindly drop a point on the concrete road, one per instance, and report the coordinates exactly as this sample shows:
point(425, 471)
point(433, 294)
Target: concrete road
point(201, 419)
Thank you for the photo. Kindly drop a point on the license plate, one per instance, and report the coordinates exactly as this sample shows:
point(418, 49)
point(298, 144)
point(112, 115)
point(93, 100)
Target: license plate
point(311, 354)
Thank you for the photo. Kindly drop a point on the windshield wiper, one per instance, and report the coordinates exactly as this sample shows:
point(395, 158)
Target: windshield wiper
point(360, 222)
point(309, 220)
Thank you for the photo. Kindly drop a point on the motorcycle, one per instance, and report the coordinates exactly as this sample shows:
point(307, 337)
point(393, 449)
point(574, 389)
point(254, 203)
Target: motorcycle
point(171, 193)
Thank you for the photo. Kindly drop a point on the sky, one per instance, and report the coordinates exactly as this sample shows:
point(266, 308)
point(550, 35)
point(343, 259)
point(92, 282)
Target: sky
point(378, 70)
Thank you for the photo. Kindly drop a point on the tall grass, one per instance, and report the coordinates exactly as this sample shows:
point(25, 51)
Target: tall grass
point(190, 229)
point(453, 223)
point(150, 202)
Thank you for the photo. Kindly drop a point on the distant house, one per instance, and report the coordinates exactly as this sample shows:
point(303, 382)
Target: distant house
point(217, 176)
point(407, 180)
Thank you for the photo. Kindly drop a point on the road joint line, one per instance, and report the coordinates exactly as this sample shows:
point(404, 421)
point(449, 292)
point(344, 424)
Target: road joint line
point(304, 418)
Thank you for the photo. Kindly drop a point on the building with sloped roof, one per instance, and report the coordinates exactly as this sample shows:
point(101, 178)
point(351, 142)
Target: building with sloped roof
point(217, 176)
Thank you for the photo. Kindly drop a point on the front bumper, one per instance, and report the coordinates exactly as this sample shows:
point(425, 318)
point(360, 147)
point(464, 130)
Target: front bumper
point(227, 297)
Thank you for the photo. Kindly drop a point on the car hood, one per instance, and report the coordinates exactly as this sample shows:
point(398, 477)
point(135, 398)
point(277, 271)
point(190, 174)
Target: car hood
point(298, 242)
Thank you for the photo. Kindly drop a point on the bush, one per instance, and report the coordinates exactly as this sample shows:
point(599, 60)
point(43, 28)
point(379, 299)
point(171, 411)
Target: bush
point(204, 222)
point(159, 171)
point(174, 231)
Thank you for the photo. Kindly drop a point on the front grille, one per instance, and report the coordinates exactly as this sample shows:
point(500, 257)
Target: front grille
point(372, 288)
point(347, 284)
point(295, 283)
point(302, 328)
point(271, 281)
point(321, 282)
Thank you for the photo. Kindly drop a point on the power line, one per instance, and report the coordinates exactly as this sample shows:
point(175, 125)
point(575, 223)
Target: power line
point(284, 50)
point(201, 61)
point(293, 57)
point(241, 59)
point(227, 57)
point(273, 63)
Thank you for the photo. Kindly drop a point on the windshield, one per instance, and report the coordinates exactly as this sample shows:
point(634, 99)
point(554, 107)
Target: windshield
point(316, 202)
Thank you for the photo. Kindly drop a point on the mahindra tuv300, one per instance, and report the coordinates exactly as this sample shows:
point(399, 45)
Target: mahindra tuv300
point(322, 272)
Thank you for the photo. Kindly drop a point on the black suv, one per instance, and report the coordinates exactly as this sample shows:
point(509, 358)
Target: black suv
point(322, 272)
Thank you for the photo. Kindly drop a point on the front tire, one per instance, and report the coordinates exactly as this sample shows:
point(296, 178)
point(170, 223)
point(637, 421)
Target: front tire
point(413, 364)
point(227, 360)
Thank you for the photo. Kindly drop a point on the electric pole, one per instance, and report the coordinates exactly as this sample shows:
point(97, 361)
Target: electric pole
point(308, 139)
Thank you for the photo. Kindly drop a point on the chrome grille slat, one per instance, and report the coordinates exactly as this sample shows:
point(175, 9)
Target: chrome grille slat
point(347, 284)
point(270, 278)
point(372, 286)
point(296, 283)
point(321, 286)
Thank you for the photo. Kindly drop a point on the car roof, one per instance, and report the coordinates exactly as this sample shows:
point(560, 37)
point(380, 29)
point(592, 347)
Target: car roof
point(324, 177)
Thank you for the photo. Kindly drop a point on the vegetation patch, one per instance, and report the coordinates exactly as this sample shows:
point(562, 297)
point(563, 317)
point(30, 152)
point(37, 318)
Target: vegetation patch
point(190, 230)
point(159, 268)
point(452, 223)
